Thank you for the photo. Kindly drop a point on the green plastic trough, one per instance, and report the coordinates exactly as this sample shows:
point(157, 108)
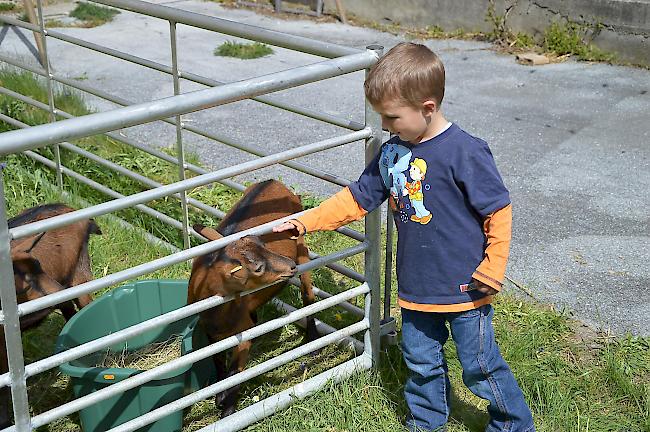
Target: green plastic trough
point(120, 308)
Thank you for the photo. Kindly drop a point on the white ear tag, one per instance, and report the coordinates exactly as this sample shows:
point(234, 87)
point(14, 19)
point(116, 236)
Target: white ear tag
point(235, 269)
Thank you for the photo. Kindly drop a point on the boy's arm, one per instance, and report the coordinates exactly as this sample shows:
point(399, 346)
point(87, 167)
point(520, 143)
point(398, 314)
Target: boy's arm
point(338, 210)
point(498, 231)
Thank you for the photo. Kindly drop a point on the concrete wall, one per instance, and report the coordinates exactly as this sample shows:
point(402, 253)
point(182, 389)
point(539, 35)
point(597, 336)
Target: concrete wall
point(624, 24)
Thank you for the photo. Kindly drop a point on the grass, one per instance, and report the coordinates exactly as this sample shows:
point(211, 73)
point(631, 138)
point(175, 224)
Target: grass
point(6, 6)
point(92, 14)
point(245, 51)
point(574, 379)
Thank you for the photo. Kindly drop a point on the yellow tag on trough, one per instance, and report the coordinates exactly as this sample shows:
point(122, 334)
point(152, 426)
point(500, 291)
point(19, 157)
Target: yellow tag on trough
point(109, 377)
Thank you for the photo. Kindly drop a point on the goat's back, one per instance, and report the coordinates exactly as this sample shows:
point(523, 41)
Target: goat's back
point(60, 250)
point(261, 203)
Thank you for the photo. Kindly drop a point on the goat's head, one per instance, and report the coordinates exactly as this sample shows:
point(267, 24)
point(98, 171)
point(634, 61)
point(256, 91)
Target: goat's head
point(246, 263)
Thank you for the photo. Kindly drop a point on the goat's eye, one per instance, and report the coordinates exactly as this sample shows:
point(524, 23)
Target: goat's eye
point(259, 268)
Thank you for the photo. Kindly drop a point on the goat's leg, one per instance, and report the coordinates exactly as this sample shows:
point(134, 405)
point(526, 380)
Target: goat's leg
point(83, 301)
point(228, 398)
point(67, 309)
point(82, 274)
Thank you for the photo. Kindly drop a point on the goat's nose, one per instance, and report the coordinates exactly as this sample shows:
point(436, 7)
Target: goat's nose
point(293, 269)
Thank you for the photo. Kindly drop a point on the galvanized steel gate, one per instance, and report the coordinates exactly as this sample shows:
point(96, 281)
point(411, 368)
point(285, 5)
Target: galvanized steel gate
point(342, 60)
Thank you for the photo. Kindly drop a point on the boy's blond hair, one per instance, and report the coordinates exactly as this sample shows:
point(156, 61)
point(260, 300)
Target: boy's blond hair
point(409, 73)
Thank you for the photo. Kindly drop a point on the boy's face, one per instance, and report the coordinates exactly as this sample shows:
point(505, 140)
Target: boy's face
point(409, 123)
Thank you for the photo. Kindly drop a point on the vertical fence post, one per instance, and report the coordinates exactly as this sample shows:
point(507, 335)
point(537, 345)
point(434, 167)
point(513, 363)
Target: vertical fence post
point(179, 135)
point(11, 325)
point(50, 89)
point(373, 237)
point(278, 6)
point(388, 269)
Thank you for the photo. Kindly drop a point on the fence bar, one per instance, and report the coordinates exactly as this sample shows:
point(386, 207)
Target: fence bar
point(153, 184)
point(50, 92)
point(66, 130)
point(24, 98)
point(317, 115)
point(295, 165)
point(19, 23)
point(34, 69)
point(297, 43)
point(11, 325)
point(373, 236)
point(388, 268)
point(323, 175)
point(117, 168)
point(264, 408)
point(170, 189)
point(216, 137)
point(139, 178)
point(321, 327)
point(117, 137)
point(110, 192)
point(157, 264)
point(129, 332)
point(180, 151)
point(342, 269)
point(268, 100)
point(247, 374)
point(347, 306)
point(93, 184)
point(190, 358)
point(196, 203)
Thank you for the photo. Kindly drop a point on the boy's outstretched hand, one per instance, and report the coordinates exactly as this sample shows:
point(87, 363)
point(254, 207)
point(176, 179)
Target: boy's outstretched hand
point(284, 227)
point(485, 289)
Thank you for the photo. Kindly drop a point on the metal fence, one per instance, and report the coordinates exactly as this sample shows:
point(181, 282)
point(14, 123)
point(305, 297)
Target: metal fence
point(342, 60)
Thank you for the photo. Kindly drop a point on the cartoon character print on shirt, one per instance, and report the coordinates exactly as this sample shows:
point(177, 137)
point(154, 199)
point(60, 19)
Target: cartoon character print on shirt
point(414, 191)
point(394, 161)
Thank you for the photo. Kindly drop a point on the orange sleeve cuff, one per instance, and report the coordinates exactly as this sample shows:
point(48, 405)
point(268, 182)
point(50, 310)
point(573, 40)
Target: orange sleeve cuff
point(498, 231)
point(338, 210)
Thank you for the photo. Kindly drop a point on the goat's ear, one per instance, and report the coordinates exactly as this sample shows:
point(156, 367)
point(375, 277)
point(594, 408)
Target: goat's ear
point(209, 233)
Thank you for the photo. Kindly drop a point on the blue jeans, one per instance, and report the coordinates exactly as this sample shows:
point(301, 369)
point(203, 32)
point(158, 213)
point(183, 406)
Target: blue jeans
point(485, 373)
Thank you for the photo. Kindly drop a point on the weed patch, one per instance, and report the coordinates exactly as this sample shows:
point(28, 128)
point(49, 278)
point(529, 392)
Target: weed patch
point(242, 50)
point(5, 7)
point(92, 14)
point(570, 38)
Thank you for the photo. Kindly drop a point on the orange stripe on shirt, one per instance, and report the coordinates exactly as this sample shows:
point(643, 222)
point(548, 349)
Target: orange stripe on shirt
point(457, 307)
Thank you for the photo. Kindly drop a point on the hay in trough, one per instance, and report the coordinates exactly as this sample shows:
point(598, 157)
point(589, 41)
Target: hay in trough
point(149, 357)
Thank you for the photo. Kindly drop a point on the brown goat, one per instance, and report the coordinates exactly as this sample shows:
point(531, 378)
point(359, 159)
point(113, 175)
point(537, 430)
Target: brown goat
point(44, 264)
point(245, 264)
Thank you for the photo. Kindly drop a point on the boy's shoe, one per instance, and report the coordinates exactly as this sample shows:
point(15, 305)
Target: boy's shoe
point(425, 220)
point(414, 218)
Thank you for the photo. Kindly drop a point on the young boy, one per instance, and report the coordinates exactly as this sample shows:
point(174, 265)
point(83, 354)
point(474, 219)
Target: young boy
point(454, 222)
